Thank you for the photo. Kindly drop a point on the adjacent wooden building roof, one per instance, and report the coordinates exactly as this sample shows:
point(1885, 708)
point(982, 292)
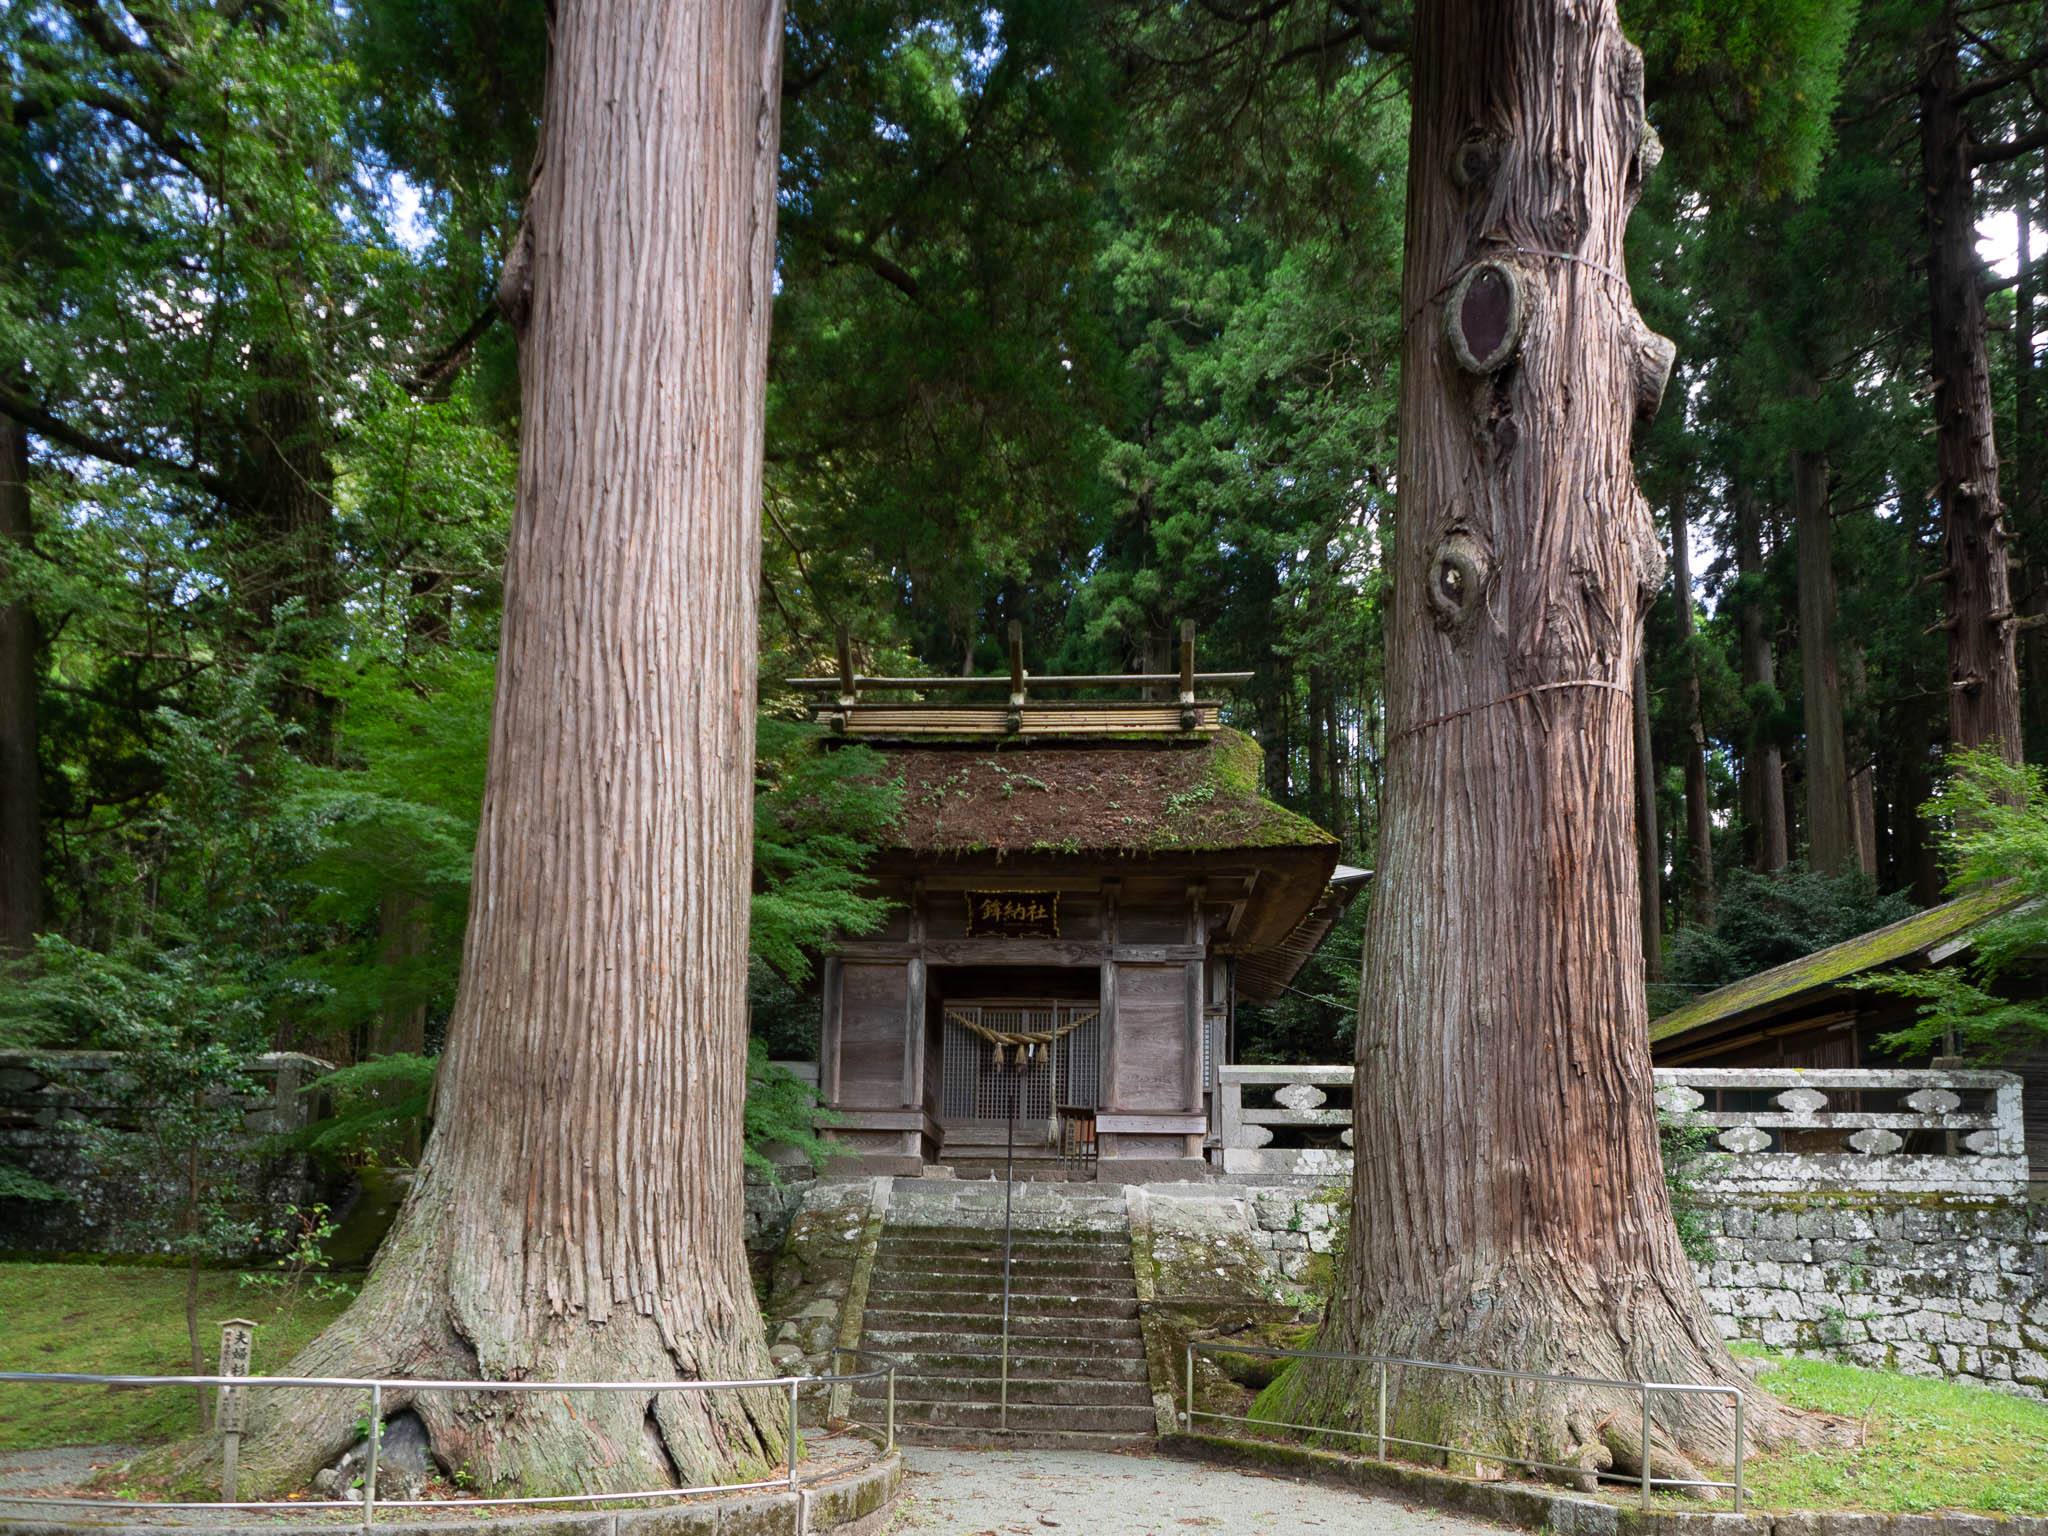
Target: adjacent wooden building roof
point(1916, 939)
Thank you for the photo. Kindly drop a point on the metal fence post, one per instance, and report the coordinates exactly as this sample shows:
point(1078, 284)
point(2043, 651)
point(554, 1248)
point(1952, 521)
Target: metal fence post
point(1738, 1396)
point(792, 1434)
point(1646, 1446)
point(1383, 1410)
point(370, 1464)
point(1189, 1416)
point(892, 1408)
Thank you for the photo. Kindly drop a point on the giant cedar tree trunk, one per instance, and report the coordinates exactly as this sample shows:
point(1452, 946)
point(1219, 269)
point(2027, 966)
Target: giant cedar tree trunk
point(1984, 691)
point(1699, 814)
point(1649, 839)
point(576, 1215)
point(1763, 763)
point(21, 826)
point(1509, 1207)
point(1830, 820)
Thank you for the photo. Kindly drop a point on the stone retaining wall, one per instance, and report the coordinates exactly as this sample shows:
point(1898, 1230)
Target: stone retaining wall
point(1931, 1285)
point(44, 1094)
point(1941, 1287)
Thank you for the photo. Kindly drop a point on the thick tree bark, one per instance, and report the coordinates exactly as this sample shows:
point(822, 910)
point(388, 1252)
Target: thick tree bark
point(1984, 691)
point(576, 1215)
point(1763, 764)
point(1649, 841)
point(1509, 1206)
point(1830, 822)
point(21, 823)
point(1699, 812)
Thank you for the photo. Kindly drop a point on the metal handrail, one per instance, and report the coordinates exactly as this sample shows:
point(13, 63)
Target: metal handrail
point(1644, 1389)
point(376, 1386)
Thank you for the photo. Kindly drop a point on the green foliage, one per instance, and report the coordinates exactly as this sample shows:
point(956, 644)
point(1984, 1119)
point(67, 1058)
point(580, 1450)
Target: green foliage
point(817, 816)
point(1767, 920)
point(397, 815)
point(299, 1240)
point(377, 1107)
point(782, 1112)
point(1742, 93)
point(1994, 820)
point(1689, 1159)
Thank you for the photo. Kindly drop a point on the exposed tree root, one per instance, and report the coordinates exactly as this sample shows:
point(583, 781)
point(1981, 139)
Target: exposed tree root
point(424, 1314)
point(1578, 1432)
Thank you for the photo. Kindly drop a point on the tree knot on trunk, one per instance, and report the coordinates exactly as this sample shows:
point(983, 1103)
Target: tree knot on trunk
point(1458, 579)
point(1487, 312)
point(515, 283)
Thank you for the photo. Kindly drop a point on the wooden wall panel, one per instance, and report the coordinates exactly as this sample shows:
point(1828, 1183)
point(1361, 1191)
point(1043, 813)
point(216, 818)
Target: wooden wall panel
point(1152, 925)
point(1151, 1042)
point(872, 999)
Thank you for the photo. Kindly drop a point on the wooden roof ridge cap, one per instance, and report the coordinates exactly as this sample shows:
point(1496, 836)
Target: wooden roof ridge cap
point(1781, 983)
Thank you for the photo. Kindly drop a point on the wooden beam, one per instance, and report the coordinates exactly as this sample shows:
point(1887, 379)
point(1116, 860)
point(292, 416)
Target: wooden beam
point(1068, 952)
point(914, 1004)
point(1051, 680)
point(1163, 1123)
point(1105, 1074)
point(1197, 1014)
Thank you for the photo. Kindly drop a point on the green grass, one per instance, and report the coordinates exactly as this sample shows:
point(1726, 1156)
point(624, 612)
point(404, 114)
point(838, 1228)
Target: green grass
point(1926, 1445)
point(114, 1319)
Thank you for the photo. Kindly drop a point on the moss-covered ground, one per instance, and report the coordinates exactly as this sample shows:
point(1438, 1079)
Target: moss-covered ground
point(1920, 1445)
point(1924, 1445)
point(114, 1319)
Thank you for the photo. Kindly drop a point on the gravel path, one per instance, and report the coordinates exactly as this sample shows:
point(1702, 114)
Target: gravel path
point(1029, 1493)
point(62, 1466)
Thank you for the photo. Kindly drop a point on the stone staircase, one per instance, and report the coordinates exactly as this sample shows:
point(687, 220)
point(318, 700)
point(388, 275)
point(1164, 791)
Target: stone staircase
point(1077, 1357)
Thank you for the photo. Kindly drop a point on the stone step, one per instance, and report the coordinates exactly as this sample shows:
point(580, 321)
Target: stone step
point(966, 1303)
point(1113, 1343)
point(1021, 1439)
point(1038, 1170)
point(1080, 1364)
point(1107, 1267)
point(934, 1240)
point(980, 1331)
point(899, 1278)
point(1059, 1418)
point(920, 1387)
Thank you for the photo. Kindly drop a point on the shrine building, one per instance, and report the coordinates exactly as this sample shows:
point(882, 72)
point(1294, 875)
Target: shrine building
point(1083, 888)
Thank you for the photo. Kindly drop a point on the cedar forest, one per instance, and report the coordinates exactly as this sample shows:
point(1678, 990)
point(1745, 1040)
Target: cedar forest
point(1087, 317)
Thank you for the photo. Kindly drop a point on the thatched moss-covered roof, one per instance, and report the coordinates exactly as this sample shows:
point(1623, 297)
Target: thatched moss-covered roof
point(1164, 796)
point(1908, 939)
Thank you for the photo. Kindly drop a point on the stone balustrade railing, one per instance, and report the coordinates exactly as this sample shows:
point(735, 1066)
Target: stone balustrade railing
point(1773, 1129)
point(1790, 1129)
point(1280, 1123)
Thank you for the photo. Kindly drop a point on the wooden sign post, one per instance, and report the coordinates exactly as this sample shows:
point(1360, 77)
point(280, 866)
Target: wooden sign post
point(237, 1344)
